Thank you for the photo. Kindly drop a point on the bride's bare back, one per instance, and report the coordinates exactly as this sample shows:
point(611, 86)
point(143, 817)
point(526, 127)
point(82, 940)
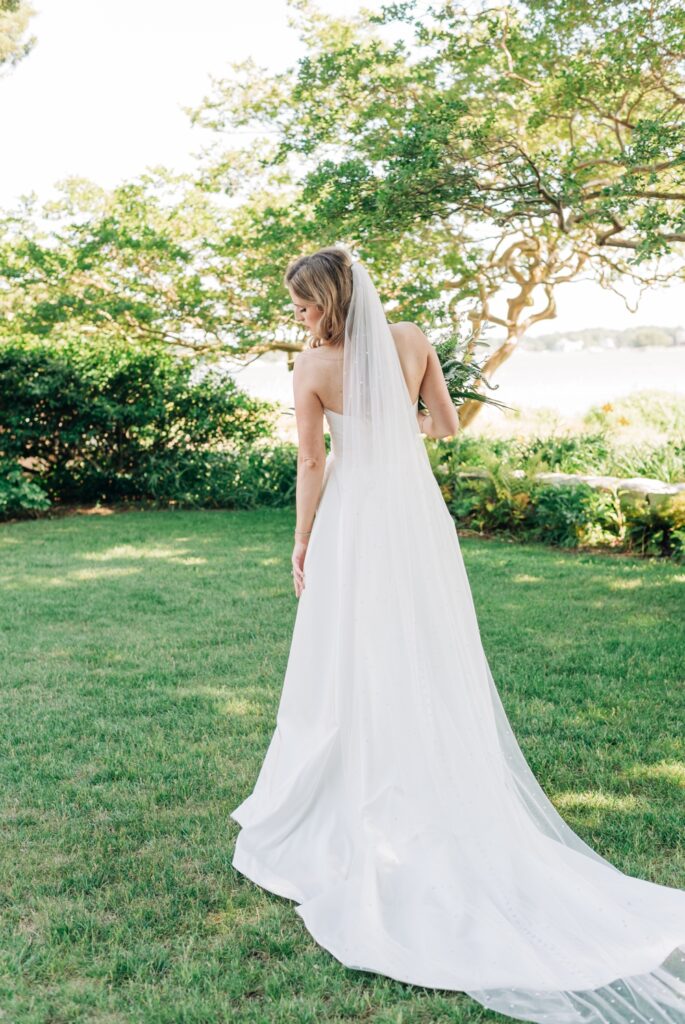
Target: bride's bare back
point(319, 375)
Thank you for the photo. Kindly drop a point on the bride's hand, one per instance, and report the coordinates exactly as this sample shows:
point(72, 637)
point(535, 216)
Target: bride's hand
point(299, 551)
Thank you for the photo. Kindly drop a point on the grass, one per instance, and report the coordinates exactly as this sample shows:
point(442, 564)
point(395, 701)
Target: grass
point(142, 658)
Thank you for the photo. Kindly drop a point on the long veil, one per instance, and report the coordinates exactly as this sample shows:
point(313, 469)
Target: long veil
point(460, 847)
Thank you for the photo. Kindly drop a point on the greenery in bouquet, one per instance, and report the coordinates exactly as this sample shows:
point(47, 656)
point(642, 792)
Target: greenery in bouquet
point(464, 372)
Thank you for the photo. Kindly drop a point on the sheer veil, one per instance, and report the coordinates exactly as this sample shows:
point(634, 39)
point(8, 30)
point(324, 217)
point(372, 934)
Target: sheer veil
point(460, 850)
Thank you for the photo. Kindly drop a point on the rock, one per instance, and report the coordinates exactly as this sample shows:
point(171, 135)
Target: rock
point(559, 479)
point(602, 483)
point(639, 488)
point(660, 498)
point(645, 485)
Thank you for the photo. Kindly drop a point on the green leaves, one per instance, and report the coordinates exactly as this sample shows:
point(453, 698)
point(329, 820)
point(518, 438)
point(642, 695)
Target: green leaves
point(558, 123)
point(463, 372)
point(86, 418)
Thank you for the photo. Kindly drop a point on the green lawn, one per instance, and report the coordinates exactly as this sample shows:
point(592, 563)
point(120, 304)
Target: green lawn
point(142, 658)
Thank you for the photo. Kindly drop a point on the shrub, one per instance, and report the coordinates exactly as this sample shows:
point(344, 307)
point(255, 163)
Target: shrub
point(498, 503)
point(264, 474)
point(657, 531)
point(568, 516)
point(88, 415)
point(658, 410)
point(660, 462)
point(468, 450)
point(592, 453)
point(566, 453)
point(18, 494)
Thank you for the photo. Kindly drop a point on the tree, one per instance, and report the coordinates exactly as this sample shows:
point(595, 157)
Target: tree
point(157, 259)
point(14, 19)
point(134, 264)
point(509, 148)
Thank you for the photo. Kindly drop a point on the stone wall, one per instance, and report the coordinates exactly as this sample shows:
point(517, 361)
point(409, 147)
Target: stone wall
point(654, 492)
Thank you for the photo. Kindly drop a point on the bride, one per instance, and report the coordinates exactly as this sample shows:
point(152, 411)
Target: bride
point(394, 804)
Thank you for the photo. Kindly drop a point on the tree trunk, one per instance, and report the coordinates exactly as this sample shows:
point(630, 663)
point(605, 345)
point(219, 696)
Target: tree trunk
point(469, 410)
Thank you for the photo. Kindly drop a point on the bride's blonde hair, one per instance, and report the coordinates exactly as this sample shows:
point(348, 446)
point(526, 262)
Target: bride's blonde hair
point(324, 278)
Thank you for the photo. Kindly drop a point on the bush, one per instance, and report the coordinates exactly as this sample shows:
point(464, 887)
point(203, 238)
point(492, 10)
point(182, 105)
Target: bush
point(19, 495)
point(261, 475)
point(567, 453)
point(657, 531)
point(504, 501)
point(591, 453)
point(498, 503)
point(659, 462)
point(568, 516)
point(87, 416)
point(467, 450)
point(657, 410)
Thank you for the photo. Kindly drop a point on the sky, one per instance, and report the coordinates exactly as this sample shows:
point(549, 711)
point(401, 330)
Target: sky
point(102, 95)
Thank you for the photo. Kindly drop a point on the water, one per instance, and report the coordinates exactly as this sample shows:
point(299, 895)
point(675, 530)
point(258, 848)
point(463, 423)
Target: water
point(568, 383)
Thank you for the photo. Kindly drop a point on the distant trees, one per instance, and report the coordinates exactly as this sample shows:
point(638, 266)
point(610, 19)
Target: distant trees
point(604, 337)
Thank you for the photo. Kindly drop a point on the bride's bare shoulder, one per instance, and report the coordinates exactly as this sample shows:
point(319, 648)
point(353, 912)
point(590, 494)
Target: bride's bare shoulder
point(409, 335)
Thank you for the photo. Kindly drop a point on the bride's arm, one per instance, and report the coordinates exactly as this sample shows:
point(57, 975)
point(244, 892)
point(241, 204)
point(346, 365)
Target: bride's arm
point(311, 448)
point(443, 418)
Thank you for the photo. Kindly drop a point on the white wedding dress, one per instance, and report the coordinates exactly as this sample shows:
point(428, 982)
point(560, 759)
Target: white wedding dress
point(394, 805)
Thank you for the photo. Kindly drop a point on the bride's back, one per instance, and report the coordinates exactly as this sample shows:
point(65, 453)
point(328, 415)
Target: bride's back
point(327, 365)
